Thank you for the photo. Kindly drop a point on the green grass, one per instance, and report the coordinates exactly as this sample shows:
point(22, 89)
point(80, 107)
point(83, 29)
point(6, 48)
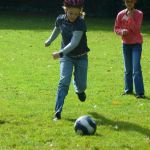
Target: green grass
point(28, 84)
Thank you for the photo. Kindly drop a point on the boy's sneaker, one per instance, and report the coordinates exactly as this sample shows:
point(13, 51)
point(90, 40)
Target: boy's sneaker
point(57, 117)
point(140, 96)
point(81, 96)
point(127, 93)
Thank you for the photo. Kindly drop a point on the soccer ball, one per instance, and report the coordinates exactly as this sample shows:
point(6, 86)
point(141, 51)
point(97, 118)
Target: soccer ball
point(85, 125)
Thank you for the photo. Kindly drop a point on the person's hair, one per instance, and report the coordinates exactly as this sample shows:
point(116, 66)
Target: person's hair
point(74, 3)
point(82, 13)
point(132, 0)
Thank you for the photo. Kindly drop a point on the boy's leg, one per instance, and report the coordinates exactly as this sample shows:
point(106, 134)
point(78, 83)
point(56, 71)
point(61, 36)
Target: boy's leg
point(80, 76)
point(66, 68)
point(137, 73)
point(127, 55)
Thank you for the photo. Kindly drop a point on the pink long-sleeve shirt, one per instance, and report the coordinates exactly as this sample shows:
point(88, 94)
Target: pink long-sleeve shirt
point(133, 26)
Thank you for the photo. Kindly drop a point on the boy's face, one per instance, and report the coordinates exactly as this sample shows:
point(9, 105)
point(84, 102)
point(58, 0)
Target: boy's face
point(130, 4)
point(73, 13)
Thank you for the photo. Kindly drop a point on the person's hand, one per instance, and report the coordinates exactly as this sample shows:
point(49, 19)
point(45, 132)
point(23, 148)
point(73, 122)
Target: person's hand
point(124, 32)
point(56, 55)
point(47, 43)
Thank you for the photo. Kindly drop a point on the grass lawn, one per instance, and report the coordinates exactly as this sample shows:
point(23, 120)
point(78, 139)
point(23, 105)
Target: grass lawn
point(28, 84)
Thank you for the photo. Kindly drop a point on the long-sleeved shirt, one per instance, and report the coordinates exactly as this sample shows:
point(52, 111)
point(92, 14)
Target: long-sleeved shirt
point(74, 40)
point(131, 24)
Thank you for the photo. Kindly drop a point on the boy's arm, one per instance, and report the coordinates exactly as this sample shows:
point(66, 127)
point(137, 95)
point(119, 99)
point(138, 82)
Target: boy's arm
point(53, 36)
point(77, 35)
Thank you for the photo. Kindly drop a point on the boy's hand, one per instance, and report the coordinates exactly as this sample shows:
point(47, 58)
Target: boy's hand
point(56, 55)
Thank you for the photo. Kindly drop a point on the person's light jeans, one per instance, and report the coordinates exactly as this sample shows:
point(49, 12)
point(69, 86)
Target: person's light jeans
point(69, 66)
point(133, 74)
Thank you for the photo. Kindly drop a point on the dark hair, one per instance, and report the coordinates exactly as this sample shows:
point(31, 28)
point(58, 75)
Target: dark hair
point(134, 1)
point(74, 3)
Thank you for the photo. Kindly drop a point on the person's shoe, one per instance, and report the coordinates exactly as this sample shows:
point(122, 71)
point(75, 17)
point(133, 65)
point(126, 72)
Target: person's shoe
point(140, 96)
point(127, 93)
point(81, 96)
point(57, 117)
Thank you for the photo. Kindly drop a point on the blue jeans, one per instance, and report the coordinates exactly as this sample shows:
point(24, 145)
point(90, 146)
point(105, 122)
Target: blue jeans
point(132, 66)
point(67, 66)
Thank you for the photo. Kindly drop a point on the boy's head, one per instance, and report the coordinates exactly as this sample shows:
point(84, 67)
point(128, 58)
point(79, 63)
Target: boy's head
point(73, 9)
point(74, 3)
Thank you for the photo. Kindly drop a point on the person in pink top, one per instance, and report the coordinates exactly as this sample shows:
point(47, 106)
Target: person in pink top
point(128, 25)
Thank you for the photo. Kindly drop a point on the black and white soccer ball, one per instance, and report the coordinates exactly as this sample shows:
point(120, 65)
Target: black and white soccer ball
point(85, 125)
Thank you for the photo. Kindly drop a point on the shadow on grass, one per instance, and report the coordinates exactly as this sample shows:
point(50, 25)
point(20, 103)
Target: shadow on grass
point(147, 98)
point(39, 22)
point(120, 125)
point(141, 99)
point(2, 122)
point(46, 23)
